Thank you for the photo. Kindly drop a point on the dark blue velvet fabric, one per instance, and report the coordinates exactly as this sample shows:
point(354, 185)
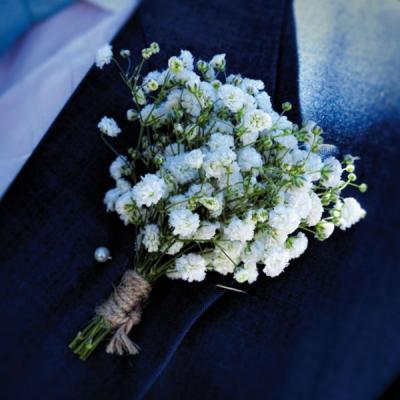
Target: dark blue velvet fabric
point(326, 329)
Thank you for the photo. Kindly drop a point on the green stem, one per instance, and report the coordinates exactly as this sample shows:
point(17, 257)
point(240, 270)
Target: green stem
point(87, 340)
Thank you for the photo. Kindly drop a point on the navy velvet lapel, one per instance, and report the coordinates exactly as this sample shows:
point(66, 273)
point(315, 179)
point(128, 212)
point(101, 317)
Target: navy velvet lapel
point(53, 217)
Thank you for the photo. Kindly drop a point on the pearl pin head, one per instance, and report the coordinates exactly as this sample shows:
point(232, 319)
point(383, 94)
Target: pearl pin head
point(102, 254)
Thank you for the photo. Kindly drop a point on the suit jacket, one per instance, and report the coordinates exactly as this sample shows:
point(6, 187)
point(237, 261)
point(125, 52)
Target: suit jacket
point(325, 329)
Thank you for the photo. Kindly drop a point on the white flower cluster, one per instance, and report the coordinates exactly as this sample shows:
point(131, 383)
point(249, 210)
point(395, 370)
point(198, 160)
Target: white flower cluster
point(231, 185)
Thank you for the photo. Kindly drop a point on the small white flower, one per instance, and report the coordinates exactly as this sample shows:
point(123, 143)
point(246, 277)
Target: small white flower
point(181, 170)
point(174, 149)
point(258, 215)
point(109, 127)
point(175, 65)
point(190, 267)
point(117, 167)
point(324, 229)
point(104, 56)
point(211, 203)
point(249, 138)
point(298, 246)
point(187, 59)
point(232, 97)
point(252, 86)
point(284, 219)
point(249, 158)
point(350, 213)
point(288, 141)
point(206, 231)
point(218, 62)
point(264, 102)
point(110, 198)
point(254, 253)
point(226, 256)
point(216, 162)
point(194, 159)
point(184, 222)
point(152, 85)
point(204, 189)
point(192, 85)
point(275, 260)
point(150, 190)
point(186, 76)
point(131, 114)
point(124, 206)
point(218, 212)
point(218, 140)
point(313, 166)
point(177, 202)
point(281, 122)
point(220, 126)
point(334, 174)
point(123, 185)
point(172, 249)
point(151, 238)
point(299, 200)
point(309, 126)
point(316, 211)
point(231, 176)
point(146, 112)
point(257, 120)
point(246, 273)
point(139, 98)
point(152, 76)
point(242, 231)
point(190, 103)
point(173, 100)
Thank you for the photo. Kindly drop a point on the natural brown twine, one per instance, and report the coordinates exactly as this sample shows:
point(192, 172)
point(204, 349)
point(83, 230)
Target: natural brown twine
point(123, 310)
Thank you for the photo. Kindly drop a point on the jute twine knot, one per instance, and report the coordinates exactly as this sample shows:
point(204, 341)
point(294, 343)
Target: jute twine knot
point(123, 310)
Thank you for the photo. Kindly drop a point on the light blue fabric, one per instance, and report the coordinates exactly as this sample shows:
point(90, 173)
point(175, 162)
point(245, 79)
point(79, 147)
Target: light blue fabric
point(16, 16)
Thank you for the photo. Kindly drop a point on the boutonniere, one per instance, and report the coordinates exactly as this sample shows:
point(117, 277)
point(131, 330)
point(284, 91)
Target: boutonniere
point(230, 186)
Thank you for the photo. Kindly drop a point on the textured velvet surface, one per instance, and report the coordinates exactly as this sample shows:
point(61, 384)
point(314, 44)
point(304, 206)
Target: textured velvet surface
point(326, 329)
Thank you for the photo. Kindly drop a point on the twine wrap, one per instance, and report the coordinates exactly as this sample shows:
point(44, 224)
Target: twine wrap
point(123, 310)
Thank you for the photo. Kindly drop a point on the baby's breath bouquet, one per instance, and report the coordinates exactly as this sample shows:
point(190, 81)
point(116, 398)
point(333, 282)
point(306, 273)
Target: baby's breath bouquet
point(231, 186)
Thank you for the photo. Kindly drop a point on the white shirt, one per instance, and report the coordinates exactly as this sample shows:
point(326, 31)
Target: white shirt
point(43, 68)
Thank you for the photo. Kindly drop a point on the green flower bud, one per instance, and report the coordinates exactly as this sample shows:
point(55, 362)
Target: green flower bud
point(164, 140)
point(125, 53)
point(286, 106)
point(324, 229)
point(175, 65)
point(152, 85)
point(147, 53)
point(348, 159)
point(191, 132)
point(363, 188)
point(154, 47)
point(158, 159)
point(202, 66)
point(267, 142)
point(352, 177)
point(133, 153)
point(216, 84)
point(145, 142)
point(178, 129)
point(131, 115)
point(317, 130)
